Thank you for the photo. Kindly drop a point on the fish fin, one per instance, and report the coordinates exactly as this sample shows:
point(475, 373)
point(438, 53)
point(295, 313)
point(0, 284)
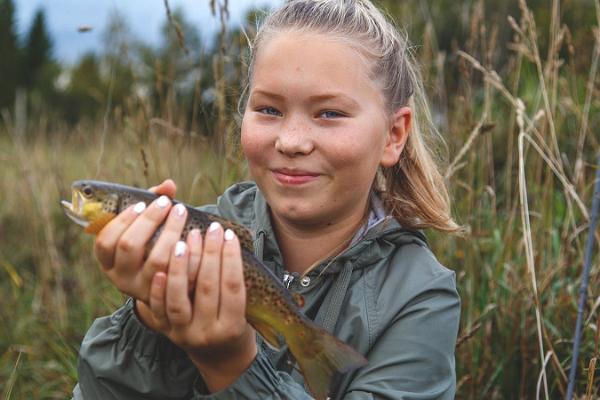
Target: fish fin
point(268, 333)
point(321, 356)
point(299, 299)
point(96, 224)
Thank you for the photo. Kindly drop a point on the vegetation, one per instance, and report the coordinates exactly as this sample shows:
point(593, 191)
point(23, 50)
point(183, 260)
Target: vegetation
point(517, 101)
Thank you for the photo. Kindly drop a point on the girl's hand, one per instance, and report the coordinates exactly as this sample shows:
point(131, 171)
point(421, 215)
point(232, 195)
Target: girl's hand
point(211, 327)
point(121, 245)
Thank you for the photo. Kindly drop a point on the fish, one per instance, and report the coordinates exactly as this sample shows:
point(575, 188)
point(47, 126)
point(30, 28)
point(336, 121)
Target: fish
point(271, 309)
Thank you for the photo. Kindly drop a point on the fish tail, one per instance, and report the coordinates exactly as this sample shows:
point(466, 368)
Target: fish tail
point(321, 356)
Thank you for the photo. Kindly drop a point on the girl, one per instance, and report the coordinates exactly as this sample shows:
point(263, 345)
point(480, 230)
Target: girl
point(335, 131)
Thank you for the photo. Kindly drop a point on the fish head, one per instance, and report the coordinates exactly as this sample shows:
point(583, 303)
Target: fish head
point(92, 205)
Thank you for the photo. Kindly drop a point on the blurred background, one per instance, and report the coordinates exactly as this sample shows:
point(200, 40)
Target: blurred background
point(139, 91)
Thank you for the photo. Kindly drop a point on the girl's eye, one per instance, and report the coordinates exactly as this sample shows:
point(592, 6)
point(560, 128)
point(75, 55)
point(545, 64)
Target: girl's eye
point(331, 114)
point(270, 111)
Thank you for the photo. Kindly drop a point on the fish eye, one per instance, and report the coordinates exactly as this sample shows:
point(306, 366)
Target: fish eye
point(87, 191)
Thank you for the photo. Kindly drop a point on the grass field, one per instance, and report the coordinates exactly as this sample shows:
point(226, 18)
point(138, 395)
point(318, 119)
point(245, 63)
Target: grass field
point(522, 146)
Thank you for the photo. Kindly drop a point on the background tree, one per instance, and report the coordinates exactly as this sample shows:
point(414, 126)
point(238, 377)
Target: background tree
point(37, 51)
point(38, 70)
point(9, 53)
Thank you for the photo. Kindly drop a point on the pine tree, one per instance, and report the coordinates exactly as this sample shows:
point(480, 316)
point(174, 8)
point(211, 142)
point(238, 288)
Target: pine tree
point(37, 53)
point(9, 54)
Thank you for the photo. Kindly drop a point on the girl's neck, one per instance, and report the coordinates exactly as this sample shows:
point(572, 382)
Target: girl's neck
point(303, 247)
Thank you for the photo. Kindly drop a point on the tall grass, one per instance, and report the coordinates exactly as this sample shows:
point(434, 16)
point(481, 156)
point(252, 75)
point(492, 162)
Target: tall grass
point(522, 143)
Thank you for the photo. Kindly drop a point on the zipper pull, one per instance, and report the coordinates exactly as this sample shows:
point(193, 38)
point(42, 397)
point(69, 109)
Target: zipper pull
point(288, 278)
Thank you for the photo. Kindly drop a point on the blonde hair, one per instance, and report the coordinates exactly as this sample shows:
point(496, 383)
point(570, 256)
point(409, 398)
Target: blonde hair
point(414, 190)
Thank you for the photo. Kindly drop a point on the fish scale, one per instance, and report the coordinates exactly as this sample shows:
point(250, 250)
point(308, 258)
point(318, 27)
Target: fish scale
point(270, 308)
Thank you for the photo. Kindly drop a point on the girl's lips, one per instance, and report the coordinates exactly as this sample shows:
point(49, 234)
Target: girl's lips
point(294, 178)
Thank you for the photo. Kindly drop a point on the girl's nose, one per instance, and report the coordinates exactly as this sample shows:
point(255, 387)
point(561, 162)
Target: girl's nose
point(294, 140)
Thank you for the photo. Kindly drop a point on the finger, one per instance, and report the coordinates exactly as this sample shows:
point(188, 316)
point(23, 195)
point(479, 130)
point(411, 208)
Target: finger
point(106, 240)
point(131, 246)
point(179, 308)
point(194, 242)
point(157, 301)
point(160, 255)
point(206, 299)
point(167, 188)
point(233, 291)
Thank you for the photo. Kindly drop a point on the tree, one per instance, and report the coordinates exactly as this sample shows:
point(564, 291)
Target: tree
point(9, 53)
point(37, 53)
point(86, 94)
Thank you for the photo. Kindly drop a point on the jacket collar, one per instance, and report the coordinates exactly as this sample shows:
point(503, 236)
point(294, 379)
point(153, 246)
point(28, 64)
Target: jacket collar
point(374, 241)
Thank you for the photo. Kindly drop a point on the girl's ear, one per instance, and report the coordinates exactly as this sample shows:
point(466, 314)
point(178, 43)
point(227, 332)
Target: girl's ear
point(396, 137)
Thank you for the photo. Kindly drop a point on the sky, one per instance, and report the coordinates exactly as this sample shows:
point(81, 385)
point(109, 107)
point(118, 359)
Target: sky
point(144, 17)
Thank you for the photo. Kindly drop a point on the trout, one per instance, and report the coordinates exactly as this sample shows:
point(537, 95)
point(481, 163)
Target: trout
point(270, 308)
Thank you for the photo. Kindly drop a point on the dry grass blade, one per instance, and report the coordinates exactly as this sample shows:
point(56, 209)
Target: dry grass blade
point(178, 31)
point(590, 382)
point(454, 165)
point(13, 378)
point(532, 33)
point(542, 376)
point(528, 242)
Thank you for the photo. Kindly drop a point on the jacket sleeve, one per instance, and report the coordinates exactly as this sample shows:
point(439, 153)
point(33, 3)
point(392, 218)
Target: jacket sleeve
point(413, 357)
point(260, 381)
point(121, 359)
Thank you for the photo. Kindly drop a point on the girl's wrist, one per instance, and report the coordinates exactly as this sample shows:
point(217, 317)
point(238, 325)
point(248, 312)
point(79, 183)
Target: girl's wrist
point(219, 374)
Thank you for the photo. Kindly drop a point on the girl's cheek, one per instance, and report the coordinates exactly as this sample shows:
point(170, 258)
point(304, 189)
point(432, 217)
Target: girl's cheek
point(253, 144)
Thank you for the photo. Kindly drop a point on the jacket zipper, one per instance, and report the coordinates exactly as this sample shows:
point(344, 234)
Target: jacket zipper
point(288, 278)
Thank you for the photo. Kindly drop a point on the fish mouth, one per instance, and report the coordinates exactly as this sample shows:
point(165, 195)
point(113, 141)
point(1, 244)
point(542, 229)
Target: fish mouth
point(74, 210)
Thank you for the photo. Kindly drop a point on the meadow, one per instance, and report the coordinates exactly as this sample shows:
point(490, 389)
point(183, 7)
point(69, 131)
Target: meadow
point(519, 113)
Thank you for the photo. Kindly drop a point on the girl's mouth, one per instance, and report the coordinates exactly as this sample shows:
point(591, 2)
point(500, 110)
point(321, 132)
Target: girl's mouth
point(294, 177)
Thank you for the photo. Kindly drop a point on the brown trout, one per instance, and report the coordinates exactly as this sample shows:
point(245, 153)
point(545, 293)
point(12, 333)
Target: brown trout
point(270, 308)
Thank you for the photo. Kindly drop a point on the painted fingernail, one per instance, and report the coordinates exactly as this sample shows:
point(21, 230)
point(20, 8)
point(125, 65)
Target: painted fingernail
point(214, 226)
point(180, 209)
point(139, 207)
point(195, 233)
point(180, 248)
point(229, 235)
point(163, 201)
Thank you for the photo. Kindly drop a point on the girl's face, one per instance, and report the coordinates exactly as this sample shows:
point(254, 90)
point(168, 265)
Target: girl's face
point(315, 129)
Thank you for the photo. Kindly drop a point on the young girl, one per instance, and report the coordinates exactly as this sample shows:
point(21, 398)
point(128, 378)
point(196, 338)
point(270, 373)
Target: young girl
point(336, 133)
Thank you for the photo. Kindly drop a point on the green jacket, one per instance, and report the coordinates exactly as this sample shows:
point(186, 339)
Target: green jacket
point(386, 296)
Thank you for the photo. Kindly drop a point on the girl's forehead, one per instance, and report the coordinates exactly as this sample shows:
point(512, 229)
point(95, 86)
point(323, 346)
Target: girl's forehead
point(309, 49)
point(312, 61)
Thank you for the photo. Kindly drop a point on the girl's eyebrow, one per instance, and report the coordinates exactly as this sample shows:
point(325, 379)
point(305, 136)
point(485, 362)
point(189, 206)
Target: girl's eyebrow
point(316, 98)
point(265, 93)
point(334, 96)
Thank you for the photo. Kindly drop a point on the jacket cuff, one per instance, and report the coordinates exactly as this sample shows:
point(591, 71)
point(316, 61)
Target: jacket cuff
point(148, 343)
point(120, 358)
point(259, 381)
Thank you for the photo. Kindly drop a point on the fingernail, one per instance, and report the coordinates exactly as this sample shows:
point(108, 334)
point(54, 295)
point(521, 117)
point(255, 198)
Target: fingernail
point(229, 235)
point(139, 207)
point(214, 226)
point(195, 233)
point(163, 201)
point(180, 248)
point(180, 209)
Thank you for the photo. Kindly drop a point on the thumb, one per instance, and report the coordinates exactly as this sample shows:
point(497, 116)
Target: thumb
point(167, 187)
